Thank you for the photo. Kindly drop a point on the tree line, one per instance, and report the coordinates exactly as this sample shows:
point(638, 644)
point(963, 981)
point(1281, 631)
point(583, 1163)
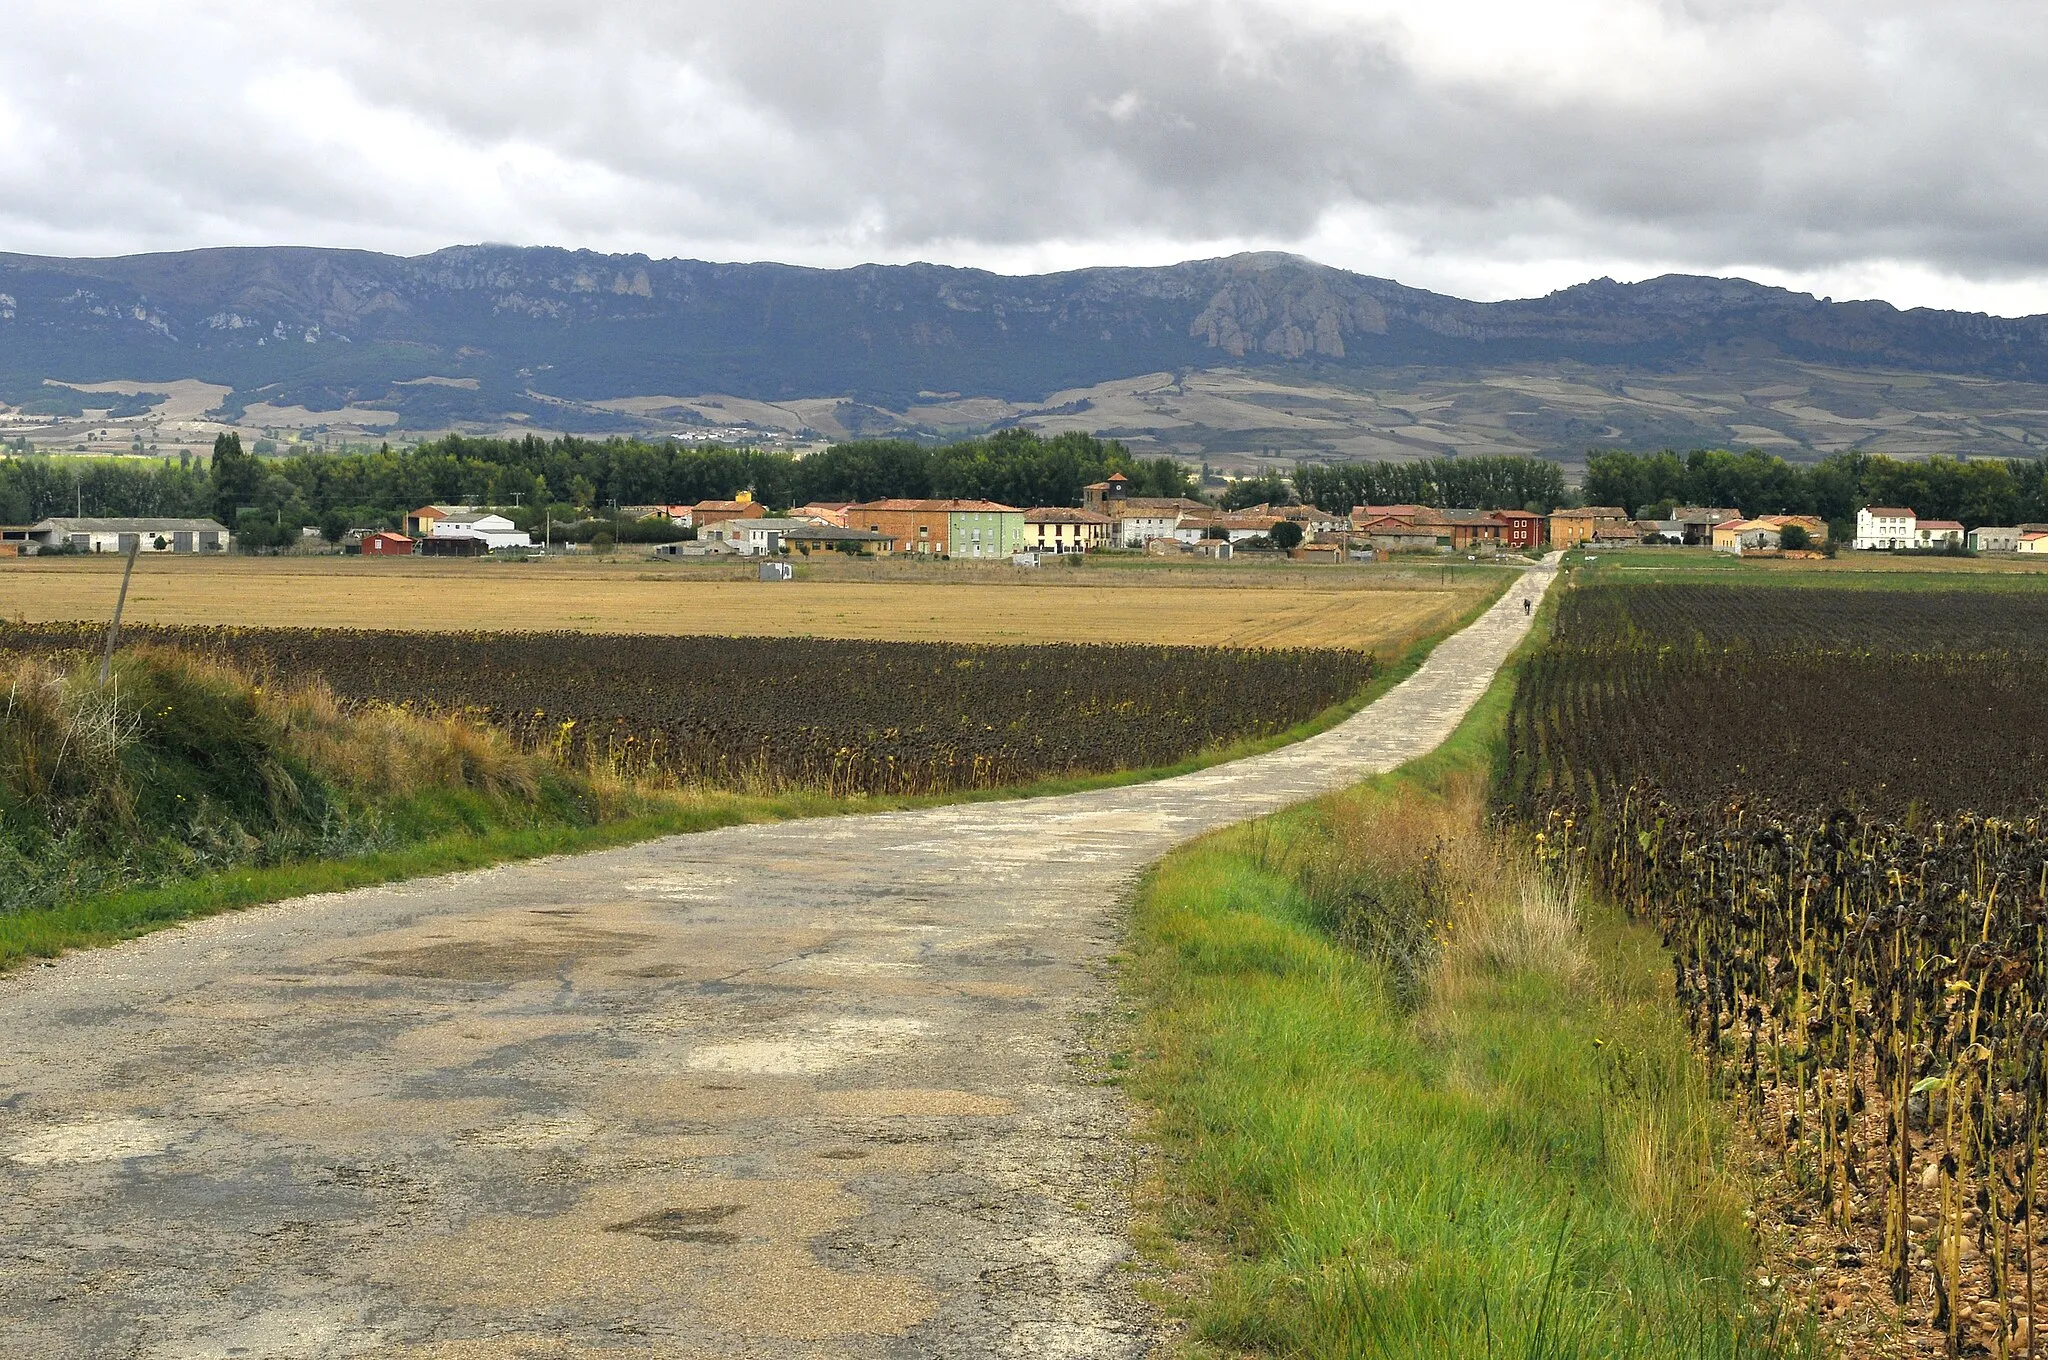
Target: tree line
point(1975, 491)
point(1482, 482)
point(567, 477)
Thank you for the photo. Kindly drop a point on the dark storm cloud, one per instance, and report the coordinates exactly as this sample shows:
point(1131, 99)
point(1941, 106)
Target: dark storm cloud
point(1462, 140)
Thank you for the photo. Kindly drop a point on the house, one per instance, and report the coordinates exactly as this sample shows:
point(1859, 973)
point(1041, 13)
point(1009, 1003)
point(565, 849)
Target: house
point(1404, 513)
point(2035, 541)
point(1739, 536)
point(1392, 535)
point(89, 534)
point(984, 528)
point(742, 506)
point(1816, 528)
point(1140, 519)
point(1099, 497)
point(384, 543)
point(1473, 529)
point(1058, 529)
point(419, 523)
point(1669, 532)
point(495, 530)
point(1986, 538)
point(1937, 533)
point(912, 526)
point(1523, 530)
point(1312, 519)
point(1572, 528)
point(1884, 527)
point(823, 512)
point(752, 535)
point(809, 537)
point(1696, 523)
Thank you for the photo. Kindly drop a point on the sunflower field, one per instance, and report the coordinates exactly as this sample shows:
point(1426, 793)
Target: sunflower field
point(1833, 803)
point(848, 717)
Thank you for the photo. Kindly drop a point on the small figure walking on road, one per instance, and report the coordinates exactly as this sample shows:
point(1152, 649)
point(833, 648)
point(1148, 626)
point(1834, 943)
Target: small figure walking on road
point(1525, 604)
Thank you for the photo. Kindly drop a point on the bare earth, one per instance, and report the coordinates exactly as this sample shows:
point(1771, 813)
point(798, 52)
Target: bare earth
point(803, 1090)
point(1363, 607)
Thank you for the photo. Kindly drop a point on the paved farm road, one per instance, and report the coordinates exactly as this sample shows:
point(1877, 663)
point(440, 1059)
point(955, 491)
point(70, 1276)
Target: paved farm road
point(786, 1091)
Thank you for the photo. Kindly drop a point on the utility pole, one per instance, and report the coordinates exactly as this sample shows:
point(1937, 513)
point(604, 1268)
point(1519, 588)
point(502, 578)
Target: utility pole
point(114, 627)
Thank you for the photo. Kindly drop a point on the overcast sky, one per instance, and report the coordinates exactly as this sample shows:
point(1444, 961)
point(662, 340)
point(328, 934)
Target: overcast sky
point(1866, 148)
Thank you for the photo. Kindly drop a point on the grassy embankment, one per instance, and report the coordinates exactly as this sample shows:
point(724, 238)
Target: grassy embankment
point(127, 811)
point(1413, 1097)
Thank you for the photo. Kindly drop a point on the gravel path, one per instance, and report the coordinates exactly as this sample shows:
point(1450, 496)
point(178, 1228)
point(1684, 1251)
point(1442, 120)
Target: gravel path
point(800, 1090)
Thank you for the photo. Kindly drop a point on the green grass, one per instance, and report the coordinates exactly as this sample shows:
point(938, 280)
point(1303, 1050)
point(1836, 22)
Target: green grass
point(1533, 1168)
point(1851, 571)
point(447, 834)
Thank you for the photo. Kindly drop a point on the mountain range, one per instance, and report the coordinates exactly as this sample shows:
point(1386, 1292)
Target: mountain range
point(1295, 358)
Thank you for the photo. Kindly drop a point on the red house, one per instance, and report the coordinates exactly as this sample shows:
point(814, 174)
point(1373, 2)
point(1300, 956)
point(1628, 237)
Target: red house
point(1521, 529)
point(386, 544)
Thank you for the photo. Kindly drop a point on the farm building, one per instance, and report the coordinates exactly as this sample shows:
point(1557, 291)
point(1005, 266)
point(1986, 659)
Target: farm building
point(1571, 528)
point(823, 512)
point(1937, 533)
point(1473, 529)
point(386, 544)
point(419, 523)
point(762, 537)
point(1882, 527)
point(1058, 529)
point(1696, 523)
point(495, 531)
point(1816, 528)
point(87, 534)
point(681, 516)
point(808, 538)
point(1988, 538)
point(1739, 536)
point(452, 545)
point(2034, 542)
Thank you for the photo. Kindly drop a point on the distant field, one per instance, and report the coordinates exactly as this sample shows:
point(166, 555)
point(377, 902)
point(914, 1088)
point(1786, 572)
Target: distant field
point(1374, 608)
point(1851, 570)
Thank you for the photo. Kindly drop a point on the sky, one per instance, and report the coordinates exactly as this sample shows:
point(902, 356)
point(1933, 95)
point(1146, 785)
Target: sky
point(1851, 148)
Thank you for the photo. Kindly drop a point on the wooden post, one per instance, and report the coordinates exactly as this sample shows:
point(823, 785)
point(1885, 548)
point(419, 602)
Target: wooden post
point(114, 626)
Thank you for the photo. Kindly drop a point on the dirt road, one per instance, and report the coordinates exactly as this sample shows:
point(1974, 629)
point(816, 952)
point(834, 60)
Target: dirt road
point(801, 1090)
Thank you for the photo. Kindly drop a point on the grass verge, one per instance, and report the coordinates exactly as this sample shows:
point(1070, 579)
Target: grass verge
point(1412, 1098)
point(447, 832)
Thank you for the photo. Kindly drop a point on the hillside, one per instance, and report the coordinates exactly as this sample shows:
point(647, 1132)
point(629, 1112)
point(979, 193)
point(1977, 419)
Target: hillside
point(498, 336)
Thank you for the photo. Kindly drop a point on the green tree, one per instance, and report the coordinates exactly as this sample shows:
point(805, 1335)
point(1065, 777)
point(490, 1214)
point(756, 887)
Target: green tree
point(236, 476)
point(1286, 535)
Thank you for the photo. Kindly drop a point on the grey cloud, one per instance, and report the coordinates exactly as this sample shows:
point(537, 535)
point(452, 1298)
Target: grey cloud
point(1795, 134)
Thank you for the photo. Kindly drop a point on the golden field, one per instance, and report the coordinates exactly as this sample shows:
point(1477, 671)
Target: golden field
point(1268, 605)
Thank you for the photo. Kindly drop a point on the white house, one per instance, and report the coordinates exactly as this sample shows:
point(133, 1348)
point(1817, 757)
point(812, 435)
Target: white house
point(495, 530)
point(1992, 539)
point(754, 537)
point(1885, 527)
point(88, 534)
point(1937, 533)
point(1136, 528)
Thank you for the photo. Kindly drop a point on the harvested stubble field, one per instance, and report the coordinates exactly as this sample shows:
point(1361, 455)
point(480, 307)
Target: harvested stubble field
point(1376, 609)
point(1833, 803)
point(847, 717)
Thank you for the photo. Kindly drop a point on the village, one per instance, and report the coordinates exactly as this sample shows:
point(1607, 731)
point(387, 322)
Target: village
point(1110, 519)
